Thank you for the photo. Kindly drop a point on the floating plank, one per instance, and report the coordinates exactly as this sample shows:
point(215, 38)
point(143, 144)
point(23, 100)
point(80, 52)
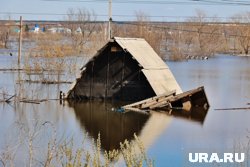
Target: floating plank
point(150, 101)
point(238, 108)
point(30, 101)
point(193, 98)
point(186, 94)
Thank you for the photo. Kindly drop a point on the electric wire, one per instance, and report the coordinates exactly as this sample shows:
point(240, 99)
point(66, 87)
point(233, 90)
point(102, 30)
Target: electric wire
point(150, 2)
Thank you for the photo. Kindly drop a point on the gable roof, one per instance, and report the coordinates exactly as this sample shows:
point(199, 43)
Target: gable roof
point(162, 81)
point(155, 69)
point(142, 52)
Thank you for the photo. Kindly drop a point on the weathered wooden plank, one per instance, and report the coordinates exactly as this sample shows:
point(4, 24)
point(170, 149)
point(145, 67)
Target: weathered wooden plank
point(186, 94)
point(161, 104)
point(30, 101)
point(142, 104)
point(169, 99)
point(160, 101)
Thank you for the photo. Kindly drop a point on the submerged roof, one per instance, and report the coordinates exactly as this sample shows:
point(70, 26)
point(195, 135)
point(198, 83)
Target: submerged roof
point(155, 69)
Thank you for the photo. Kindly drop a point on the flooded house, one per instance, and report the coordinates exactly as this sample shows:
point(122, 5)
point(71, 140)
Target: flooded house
point(128, 69)
point(124, 69)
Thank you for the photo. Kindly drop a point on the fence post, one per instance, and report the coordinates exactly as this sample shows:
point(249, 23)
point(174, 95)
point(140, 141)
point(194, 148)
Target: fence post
point(20, 40)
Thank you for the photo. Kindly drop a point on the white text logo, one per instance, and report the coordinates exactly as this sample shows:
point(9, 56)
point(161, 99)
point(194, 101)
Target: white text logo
point(214, 157)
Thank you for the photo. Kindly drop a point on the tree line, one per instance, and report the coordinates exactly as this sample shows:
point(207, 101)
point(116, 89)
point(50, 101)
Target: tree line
point(196, 37)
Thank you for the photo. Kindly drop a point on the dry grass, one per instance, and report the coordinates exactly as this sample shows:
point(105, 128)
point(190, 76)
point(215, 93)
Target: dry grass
point(51, 45)
point(65, 153)
point(56, 45)
point(54, 50)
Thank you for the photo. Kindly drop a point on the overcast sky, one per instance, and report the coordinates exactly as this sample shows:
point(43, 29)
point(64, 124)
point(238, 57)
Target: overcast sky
point(45, 9)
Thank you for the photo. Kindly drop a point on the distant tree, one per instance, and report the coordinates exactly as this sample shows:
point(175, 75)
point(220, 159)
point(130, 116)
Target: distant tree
point(142, 20)
point(147, 30)
point(206, 34)
point(188, 39)
point(142, 27)
point(81, 23)
point(26, 28)
point(176, 44)
point(44, 29)
point(5, 31)
point(4, 37)
point(242, 31)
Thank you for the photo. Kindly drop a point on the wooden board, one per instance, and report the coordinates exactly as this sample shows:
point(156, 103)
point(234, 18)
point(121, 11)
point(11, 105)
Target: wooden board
point(195, 97)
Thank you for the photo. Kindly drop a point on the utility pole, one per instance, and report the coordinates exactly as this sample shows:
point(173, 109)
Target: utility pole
point(110, 20)
point(20, 40)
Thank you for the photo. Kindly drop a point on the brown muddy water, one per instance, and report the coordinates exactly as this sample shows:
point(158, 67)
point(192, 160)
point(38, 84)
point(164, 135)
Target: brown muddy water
point(167, 138)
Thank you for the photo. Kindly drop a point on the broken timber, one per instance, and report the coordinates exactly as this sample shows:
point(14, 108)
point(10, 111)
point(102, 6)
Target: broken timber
point(187, 100)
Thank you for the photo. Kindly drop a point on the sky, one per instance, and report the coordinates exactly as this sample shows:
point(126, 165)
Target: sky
point(122, 10)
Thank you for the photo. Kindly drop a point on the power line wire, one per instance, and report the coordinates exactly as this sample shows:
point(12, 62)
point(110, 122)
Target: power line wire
point(105, 15)
point(187, 2)
point(187, 30)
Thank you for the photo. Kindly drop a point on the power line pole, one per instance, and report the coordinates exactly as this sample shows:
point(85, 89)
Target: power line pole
point(110, 20)
point(20, 40)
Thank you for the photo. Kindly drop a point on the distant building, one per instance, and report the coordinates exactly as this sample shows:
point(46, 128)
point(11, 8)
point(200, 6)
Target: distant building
point(35, 29)
point(58, 30)
point(78, 30)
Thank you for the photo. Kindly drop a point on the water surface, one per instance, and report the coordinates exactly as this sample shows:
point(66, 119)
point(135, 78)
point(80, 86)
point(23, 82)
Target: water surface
point(168, 138)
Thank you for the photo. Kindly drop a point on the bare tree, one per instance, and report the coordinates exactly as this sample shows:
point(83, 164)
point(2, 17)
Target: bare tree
point(5, 31)
point(176, 42)
point(188, 39)
point(242, 31)
point(142, 27)
point(5, 34)
point(142, 20)
point(244, 38)
point(147, 30)
point(207, 34)
point(82, 24)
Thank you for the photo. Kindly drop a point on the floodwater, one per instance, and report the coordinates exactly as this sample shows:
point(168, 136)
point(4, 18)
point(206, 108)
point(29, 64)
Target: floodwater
point(168, 139)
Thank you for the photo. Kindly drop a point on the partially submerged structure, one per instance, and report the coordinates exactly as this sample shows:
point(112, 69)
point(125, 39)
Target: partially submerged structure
point(129, 69)
point(124, 69)
point(192, 98)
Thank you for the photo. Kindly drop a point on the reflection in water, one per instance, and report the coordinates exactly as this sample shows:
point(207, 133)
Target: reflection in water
point(195, 114)
point(114, 127)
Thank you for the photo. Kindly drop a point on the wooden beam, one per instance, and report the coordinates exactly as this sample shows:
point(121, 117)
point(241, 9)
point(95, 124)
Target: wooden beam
point(152, 99)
